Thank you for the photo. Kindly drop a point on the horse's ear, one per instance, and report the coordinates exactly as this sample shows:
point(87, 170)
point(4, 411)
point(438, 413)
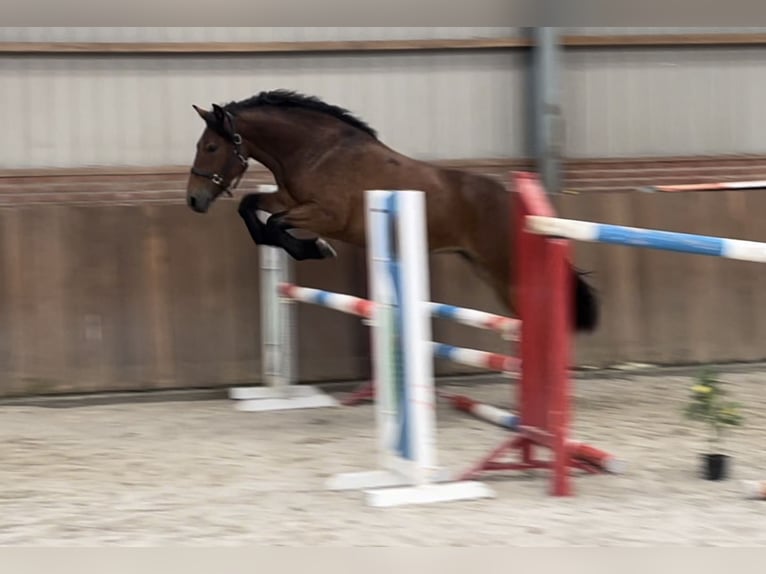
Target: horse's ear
point(204, 114)
point(219, 113)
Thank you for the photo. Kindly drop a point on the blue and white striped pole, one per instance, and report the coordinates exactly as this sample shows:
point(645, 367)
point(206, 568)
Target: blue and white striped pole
point(508, 327)
point(648, 238)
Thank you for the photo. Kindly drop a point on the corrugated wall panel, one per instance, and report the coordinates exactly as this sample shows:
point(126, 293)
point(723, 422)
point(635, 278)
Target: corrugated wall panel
point(255, 34)
point(297, 34)
point(96, 110)
point(626, 102)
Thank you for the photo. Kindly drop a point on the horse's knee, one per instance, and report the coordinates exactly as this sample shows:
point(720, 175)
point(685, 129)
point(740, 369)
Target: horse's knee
point(248, 204)
point(277, 220)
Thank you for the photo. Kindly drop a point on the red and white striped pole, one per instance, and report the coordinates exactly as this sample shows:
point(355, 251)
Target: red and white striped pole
point(502, 418)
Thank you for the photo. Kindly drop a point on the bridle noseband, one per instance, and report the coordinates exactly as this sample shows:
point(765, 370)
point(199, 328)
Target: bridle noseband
point(231, 135)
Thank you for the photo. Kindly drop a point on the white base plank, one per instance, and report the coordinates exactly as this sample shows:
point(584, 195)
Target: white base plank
point(257, 393)
point(260, 399)
point(384, 489)
point(428, 494)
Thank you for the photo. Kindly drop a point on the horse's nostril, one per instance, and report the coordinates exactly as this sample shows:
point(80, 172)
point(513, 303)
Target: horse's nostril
point(192, 202)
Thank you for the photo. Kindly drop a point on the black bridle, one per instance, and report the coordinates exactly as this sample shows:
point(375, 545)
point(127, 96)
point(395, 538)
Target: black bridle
point(232, 136)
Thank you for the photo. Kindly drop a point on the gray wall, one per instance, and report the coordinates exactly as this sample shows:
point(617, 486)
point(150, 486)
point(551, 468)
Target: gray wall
point(252, 34)
point(81, 110)
point(99, 295)
point(84, 110)
point(621, 102)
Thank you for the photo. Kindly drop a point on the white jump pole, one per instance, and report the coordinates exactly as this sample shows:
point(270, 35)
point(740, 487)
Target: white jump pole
point(403, 362)
point(278, 350)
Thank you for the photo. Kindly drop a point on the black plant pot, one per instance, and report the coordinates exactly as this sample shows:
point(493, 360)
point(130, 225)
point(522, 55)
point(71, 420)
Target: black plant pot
point(716, 466)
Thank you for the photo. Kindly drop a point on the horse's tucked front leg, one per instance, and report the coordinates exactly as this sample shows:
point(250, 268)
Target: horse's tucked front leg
point(252, 213)
point(277, 230)
point(263, 214)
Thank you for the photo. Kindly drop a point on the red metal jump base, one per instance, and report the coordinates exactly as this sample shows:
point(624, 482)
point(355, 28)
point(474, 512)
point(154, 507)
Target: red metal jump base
point(529, 439)
point(365, 392)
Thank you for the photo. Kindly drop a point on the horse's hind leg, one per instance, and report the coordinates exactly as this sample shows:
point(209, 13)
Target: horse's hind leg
point(497, 279)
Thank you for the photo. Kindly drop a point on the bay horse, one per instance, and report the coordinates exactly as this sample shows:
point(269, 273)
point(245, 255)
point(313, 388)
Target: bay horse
point(323, 158)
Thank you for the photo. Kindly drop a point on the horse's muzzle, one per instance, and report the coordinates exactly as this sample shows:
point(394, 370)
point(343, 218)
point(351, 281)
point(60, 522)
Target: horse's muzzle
point(198, 203)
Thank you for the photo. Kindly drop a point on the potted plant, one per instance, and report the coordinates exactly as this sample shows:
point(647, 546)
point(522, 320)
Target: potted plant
point(708, 405)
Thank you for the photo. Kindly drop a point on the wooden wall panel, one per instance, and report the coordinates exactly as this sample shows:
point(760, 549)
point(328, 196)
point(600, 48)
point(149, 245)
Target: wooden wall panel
point(145, 294)
point(671, 308)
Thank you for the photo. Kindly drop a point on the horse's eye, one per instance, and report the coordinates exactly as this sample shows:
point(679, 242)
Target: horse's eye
point(211, 147)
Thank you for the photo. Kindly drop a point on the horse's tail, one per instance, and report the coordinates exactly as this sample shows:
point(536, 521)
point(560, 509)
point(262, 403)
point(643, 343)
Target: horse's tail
point(585, 303)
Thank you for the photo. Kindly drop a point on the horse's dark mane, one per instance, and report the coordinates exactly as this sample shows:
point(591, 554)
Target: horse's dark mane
point(288, 98)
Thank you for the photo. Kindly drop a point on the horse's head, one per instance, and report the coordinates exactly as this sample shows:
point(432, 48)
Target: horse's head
point(220, 161)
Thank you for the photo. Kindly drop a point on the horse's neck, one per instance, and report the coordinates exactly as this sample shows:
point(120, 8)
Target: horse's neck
point(282, 141)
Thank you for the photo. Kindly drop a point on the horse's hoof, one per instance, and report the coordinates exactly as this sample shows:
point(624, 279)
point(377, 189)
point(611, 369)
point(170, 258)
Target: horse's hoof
point(325, 249)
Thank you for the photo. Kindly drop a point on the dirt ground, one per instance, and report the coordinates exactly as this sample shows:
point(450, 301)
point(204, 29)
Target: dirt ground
point(200, 472)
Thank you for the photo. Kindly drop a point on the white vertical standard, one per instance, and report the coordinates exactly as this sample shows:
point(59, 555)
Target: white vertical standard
point(277, 342)
point(383, 296)
point(412, 277)
point(403, 371)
